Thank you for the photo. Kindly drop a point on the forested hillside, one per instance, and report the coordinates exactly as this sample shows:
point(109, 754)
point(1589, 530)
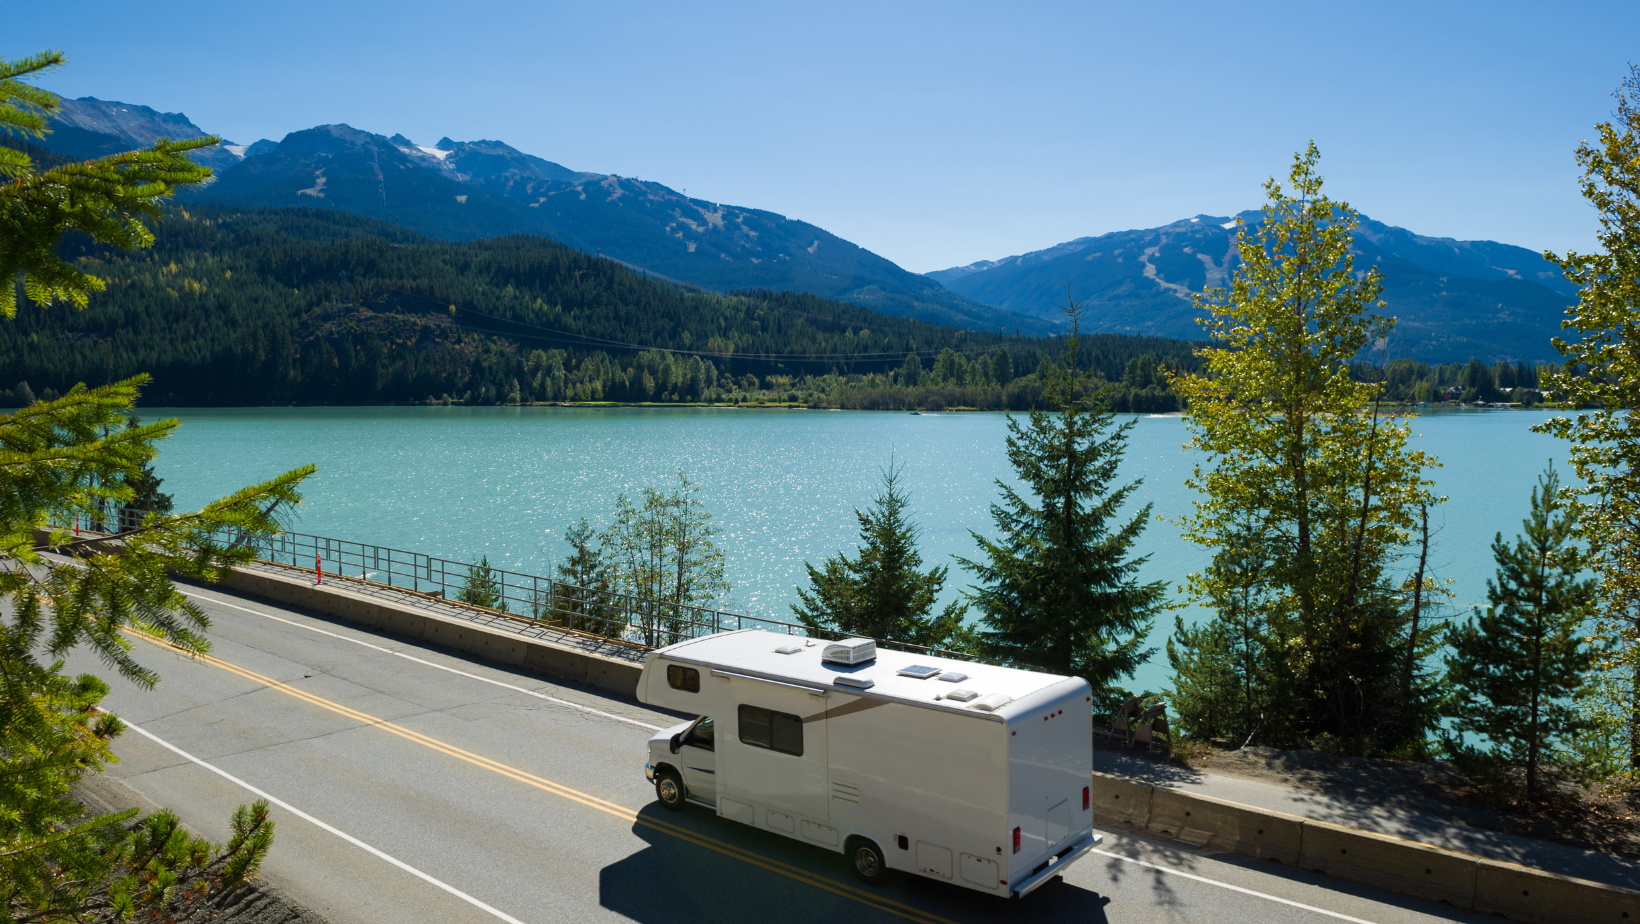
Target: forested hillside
point(241, 306)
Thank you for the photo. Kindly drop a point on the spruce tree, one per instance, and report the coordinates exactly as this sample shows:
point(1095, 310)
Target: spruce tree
point(882, 592)
point(480, 587)
point(66, 458)
point(584, 581)
point(1515, 667)
point(1058, 587)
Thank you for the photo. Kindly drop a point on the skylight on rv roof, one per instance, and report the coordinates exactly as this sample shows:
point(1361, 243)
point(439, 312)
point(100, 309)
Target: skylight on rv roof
point(953, 676)
point(918, 671)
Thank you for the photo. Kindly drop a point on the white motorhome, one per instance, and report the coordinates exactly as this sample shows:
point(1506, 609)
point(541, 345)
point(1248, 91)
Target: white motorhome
point(971, 773)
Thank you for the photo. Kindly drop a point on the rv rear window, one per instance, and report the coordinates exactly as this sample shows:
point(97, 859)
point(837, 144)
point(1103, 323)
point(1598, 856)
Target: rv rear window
point(775, 731)
point(683, 678)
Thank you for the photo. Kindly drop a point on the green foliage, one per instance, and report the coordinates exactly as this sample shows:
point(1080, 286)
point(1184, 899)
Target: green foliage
point(1057, 588)
point(1301, 476)
point(1231, 676)
point(146, 496)
point(1515, 667)
point(58, 864)
point(882, 592)
point(481, 588)
point(1601, 375)
point(662, 553)
point(77, 456)
point(103, 199)
point(584, 604)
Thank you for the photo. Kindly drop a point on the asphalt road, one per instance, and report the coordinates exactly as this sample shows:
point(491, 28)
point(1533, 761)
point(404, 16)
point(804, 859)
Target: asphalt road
point(419, 785)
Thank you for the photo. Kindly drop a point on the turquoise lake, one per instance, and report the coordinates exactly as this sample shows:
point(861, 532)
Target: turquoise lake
point(782, 485)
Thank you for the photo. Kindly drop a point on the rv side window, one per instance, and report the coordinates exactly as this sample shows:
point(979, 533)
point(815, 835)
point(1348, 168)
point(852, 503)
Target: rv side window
point(776, 731)
point(683, 678)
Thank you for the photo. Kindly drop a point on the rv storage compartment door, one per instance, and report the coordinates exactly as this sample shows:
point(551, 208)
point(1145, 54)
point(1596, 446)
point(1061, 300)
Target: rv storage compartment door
point(771, 747)
point(934, 860)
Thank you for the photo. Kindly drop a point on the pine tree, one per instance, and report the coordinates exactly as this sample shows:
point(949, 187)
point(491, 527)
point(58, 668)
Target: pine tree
point(146, 496)
point(1057, 588)
point(103, 199)
point(882, 592)
point(67, 457)
point(1515, 666)
point(481, 588)
point(1230, 678)
point(584, 581)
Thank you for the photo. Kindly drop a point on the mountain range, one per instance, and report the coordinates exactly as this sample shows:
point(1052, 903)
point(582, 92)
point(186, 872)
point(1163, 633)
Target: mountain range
point(475, 189)
point(1453, 299)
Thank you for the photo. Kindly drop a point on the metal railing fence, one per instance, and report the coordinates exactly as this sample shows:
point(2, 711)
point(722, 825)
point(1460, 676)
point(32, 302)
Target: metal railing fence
point(610, 614)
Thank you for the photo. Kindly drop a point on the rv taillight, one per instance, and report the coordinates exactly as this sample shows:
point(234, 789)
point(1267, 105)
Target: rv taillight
point(1084, 798)
point(1016, 840)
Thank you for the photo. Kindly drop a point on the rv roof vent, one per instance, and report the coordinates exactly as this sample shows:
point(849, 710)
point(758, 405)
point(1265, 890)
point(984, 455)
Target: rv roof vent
point(953, 676)
point(863, 683)
point(961, 696)
point(991, 703)
point(850, 651)
point(919, 671)
point(788, 649)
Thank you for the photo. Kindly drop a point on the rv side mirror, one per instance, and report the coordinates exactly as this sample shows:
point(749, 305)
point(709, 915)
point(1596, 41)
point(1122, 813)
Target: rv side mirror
point(677, 742)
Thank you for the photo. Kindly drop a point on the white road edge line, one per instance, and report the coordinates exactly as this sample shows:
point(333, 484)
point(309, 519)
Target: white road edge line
point(339, 833)
point(1233, 888)
point(398, 654)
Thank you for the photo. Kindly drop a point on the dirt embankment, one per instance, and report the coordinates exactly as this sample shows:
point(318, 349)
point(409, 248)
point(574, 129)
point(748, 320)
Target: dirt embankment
point(1573, 815)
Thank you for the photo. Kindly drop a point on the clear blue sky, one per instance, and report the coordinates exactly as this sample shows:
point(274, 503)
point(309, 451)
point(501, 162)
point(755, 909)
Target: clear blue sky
point(935, 134)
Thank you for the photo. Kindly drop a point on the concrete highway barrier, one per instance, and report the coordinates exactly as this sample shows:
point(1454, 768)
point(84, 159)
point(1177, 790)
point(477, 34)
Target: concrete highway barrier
point(1392, 863)
point(1118, 800)
point(1537, 897)
point(605, 665)
point(1216, 823)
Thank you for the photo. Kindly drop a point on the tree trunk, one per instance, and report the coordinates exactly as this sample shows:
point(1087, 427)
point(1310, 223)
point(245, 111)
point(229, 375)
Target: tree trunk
point(1417, 613)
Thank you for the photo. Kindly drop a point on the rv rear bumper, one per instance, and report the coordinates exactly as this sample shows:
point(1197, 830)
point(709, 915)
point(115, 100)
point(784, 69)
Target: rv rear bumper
point(1058, 863)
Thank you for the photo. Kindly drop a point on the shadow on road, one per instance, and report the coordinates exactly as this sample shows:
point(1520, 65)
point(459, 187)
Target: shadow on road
point(675, 880)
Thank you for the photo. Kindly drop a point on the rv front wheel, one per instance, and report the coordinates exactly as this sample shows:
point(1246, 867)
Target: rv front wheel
point(867, 860)
point(669, 789)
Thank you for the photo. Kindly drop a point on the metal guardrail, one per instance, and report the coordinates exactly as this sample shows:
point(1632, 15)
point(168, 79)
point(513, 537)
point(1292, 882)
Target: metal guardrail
point(609, 614)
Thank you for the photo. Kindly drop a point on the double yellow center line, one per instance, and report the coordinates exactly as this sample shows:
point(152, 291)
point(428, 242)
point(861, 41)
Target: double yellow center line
point(574, 795)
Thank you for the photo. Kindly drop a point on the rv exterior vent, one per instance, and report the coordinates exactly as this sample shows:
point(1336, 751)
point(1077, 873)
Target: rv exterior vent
point(850, 651)
point(953, 676)
point(862, 683)
point(991, 703)
point(788, 649)
point(961, 696)
point(919, 671)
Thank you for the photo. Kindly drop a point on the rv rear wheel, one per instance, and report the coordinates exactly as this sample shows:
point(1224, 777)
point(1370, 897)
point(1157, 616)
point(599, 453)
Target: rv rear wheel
point(867, 861)
point(669, 788)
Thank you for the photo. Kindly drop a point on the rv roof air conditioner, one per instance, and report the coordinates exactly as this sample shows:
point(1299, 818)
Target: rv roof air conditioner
point(991, 703)
point(850, 651)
